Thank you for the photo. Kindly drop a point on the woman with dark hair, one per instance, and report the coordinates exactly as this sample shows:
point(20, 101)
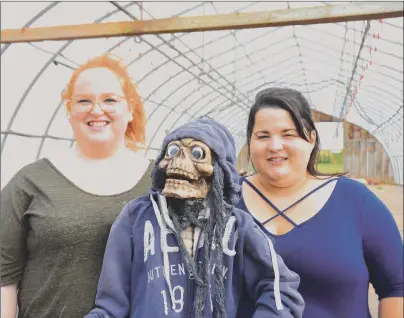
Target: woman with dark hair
point(331, 230)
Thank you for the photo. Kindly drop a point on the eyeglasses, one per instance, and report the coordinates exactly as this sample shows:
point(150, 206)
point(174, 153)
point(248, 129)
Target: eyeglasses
point(109, 103)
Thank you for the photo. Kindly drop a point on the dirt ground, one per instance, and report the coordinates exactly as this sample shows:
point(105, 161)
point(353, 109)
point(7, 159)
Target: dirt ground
point(392, 197)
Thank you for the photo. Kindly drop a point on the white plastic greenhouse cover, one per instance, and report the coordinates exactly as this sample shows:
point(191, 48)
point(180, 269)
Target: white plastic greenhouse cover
point(214, 74)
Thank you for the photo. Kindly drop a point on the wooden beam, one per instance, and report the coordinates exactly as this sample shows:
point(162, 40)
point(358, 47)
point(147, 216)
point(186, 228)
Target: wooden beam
point(301, 16)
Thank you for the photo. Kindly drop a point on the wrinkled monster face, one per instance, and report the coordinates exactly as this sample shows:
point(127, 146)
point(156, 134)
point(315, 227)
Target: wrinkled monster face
point(189, 169)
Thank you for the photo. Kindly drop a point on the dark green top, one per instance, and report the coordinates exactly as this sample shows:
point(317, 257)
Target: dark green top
point(53, 237)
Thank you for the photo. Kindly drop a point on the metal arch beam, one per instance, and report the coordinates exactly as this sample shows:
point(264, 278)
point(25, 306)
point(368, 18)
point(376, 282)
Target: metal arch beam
point(254, 80)
point(349, 41)
point(159, 104)
point(15, 133)
point(161, 44)
point(226, 107)
point(381, 39)
point(193, 51)
point(370, 111)
point(238, 118)
point(357, 105)
point(337, 94)
point(31, 21)
point(333, 49)
point(16, 110)
point(368, 100)
point(184, 84)
point(301, 61)
point(378, 64)
point(180, 37)
point(48, 128)
point(379, 131)
point(220, 105)
point(393, 25)
point(294, 84)
point(380, 115)
point(319, 59)
point(308, 40)
point(228, 74)
point(166, 42)
point(381, 93)
point(223, 115)
point(322, 45)
point(370, 93)
point(155, 133)
point(300, 16)
point(389, 93)
point(212, 57)
point(375, 80)
point(208, 43)
point(180, 72)
point(370, 70)
point(390, 120)
point(202, 107)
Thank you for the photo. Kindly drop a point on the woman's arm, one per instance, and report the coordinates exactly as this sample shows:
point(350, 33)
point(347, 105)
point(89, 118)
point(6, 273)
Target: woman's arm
point(9, 301)
point(14, 203)
point(391, 307)
point(383, 252)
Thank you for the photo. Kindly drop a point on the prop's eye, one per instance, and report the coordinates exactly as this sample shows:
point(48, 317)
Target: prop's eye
point(198, 153)
point(172, 150)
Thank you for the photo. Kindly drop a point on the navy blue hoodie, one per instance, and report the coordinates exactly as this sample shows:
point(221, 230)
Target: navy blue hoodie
point(144, 273)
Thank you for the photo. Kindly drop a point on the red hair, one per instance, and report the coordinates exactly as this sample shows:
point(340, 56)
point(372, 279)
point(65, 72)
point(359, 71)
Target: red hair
point(135, 132)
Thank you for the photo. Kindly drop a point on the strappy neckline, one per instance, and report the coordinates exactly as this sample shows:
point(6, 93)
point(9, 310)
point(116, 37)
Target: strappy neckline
point(281, 212)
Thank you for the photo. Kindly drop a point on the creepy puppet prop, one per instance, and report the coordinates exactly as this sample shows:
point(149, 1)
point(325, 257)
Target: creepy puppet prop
point(184, 250)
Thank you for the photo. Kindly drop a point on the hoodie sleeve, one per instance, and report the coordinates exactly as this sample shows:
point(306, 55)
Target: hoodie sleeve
point(271, 285)
point(113, 291)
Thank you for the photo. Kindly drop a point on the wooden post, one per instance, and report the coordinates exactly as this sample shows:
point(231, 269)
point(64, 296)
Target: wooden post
point(357, 11)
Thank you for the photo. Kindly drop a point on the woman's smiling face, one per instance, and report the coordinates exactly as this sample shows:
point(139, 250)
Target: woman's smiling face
point(99, 112)
point(277, 151)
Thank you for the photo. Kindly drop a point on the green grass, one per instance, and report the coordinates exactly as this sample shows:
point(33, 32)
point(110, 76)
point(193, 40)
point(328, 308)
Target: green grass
point(330, 167)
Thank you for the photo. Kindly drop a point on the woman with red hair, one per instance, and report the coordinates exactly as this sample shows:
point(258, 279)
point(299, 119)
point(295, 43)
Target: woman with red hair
point(56, 213)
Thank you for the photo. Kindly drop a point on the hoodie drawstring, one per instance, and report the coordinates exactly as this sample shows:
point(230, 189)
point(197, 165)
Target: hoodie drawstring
point(275, 266)
point(164, 247)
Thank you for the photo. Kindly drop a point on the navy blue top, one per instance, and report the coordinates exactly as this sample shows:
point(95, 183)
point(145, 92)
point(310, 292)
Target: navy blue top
point(351, 241)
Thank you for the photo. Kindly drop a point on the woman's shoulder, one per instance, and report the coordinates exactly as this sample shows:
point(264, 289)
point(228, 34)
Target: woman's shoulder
point(34, 170)
point(348, 185)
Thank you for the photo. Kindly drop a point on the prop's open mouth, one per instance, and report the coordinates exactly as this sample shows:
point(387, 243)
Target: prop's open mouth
point(181, 175)
point(179, 182)
point(177, 177)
